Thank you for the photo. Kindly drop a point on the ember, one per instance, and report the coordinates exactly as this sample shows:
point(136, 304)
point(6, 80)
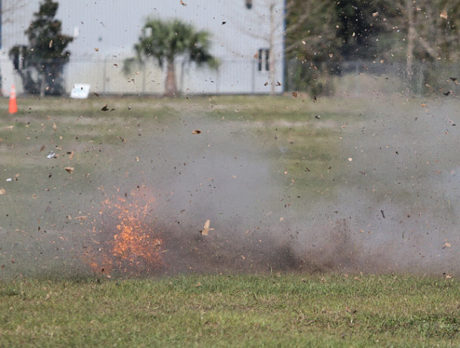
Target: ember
point(123, 237)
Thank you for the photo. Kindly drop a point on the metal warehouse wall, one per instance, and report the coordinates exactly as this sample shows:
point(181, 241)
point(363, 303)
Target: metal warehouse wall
point(106, 31)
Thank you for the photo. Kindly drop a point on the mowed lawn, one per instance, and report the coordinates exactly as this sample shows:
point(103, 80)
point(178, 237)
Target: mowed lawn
point(48, 297)
point(232, 310)
point(143, 142)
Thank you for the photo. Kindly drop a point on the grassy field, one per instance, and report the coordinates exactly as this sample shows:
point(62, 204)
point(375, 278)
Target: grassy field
point(246, 142)
point(338, 186)
point(243, 310)
point(358, 172)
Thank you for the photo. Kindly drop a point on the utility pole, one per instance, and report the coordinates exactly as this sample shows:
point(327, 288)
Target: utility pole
point(1, 45)
point(272, 65)
point(283, 47)
point(411, 36)
point(1, 20)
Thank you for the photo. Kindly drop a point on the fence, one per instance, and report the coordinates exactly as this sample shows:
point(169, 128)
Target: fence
point(107, 76)
point(361, 77)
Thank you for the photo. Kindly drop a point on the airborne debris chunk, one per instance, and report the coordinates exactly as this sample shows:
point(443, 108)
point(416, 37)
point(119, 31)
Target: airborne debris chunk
point(443, 14)
point(206, 228)
point(105, 108)
point(69, 169)
point(196, 131)
point(51, 155)
point(446, 245)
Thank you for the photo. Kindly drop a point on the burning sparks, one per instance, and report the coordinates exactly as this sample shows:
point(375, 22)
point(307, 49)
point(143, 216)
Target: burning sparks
point(126, 241)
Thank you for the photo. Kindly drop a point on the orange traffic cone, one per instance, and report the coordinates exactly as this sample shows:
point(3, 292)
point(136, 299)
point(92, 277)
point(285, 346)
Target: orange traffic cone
point(13, 106)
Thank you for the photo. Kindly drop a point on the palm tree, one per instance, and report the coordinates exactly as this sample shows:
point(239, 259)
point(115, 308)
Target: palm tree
point(166, 40)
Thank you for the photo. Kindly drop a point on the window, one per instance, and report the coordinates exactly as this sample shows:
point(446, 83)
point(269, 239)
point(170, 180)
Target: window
point(248, 4)
point(18, 57)
point(263, 59)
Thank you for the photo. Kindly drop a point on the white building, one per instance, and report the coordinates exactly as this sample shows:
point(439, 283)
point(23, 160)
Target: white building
point(246, 35)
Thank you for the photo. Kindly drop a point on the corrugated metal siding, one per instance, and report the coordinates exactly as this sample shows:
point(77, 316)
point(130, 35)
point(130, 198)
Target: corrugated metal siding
point(16, 19)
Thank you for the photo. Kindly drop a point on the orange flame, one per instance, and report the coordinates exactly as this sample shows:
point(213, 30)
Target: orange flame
point(131, 245)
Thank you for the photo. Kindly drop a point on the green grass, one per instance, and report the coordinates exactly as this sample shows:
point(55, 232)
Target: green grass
point(282, 310)
point(284, 129)
point(307, 158)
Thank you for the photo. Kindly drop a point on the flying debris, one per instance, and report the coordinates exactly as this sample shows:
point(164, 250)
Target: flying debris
point(206, 228)
point(443, 14)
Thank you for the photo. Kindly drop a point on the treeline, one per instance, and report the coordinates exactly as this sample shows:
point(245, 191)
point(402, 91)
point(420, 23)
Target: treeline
point(322, 34)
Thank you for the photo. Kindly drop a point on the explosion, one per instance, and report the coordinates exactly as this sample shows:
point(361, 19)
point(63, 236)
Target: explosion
point(123, 235)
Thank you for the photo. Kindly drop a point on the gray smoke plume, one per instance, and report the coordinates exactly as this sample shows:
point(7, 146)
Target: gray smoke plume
point(393, 204)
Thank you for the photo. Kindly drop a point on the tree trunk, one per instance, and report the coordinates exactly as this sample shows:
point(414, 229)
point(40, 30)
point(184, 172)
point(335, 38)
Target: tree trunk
point(411, 36)
point(43, 85)
point(170, 83)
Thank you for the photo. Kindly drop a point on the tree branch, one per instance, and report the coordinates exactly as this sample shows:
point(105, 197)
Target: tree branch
point(294, 45)
point(296, 26)
point(427, 47)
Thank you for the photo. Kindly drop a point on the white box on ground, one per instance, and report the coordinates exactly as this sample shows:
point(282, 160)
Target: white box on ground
point(80, 91)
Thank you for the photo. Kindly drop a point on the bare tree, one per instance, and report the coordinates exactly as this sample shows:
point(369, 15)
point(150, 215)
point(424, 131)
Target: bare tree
point(268, 12)
point(311, 27)
point(431, 29)
point(10, 6)
point(7, 10)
